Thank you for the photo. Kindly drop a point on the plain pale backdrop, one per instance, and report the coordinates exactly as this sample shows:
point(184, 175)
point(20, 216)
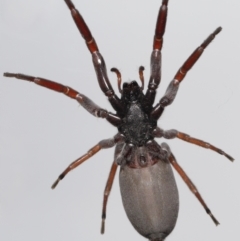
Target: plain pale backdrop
point(41, 132)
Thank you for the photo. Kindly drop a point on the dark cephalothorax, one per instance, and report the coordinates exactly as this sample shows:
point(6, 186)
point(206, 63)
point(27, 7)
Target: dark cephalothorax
point(137, 126)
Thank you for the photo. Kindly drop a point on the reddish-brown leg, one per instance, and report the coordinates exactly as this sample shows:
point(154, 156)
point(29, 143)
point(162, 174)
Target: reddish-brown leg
point(201, 143)
point(97, 58)
point(155, 64)
point(46, 83)
point(108, 143)
point(160, 26)
point(86, 103)
point(76, 163)
point(170, 134)
point(188, 181)
point(195, 56)
point(82, 27)
point(107, 193)
point(172, 89)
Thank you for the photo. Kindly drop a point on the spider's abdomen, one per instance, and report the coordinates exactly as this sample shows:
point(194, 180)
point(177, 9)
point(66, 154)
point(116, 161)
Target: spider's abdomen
point(150, 199)
point(137, 127)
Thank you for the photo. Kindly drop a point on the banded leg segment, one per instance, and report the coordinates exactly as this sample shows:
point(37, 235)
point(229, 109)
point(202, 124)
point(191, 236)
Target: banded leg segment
point(201, 143)
point(101, 145)
point(188, 181)
point(82, 27)
point(181, 73)
point(170, 134)
point(45, 83)
point(172, 89)
point(155, 64)
point(84, 101)
point(160, 26)
point(107, 193)
point(98, 61)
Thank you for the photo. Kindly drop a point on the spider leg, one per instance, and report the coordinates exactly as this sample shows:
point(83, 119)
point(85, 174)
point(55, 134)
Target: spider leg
point(87, 104)
point(97, 58)
point(107, 143)
point(172, 89)
point(170, 134)
point(188, 181)
point(155, 64)
point(120, 152)
point(107, 193)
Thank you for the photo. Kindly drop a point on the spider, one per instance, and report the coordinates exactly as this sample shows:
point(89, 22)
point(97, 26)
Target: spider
point(148, 188)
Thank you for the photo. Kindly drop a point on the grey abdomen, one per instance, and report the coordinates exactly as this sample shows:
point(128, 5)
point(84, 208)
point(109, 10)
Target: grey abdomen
point(150, 199)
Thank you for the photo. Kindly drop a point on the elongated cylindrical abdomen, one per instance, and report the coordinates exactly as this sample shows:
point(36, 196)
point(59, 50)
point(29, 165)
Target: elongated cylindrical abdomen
point(150, 199)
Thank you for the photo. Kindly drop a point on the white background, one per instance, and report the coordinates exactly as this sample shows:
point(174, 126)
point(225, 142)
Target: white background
point(41, 132)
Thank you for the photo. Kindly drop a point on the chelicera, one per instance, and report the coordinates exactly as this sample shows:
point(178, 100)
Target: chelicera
point(148, 188)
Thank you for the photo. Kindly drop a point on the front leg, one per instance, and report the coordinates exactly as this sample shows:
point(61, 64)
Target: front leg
point(97, 58)
point(170, 134)
point(155, 77)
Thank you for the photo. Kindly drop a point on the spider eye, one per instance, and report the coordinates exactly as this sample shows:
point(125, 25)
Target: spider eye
point(134, 84)
point(125, 85)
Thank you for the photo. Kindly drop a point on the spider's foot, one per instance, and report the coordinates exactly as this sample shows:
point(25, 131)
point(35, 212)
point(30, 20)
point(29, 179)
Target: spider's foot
point(212, 217)
point(55, 183)
point(229, 157)
point(103, 226)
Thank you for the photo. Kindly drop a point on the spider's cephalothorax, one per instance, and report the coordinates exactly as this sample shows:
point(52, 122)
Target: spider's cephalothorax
point(148, 188)
point(137, 126)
